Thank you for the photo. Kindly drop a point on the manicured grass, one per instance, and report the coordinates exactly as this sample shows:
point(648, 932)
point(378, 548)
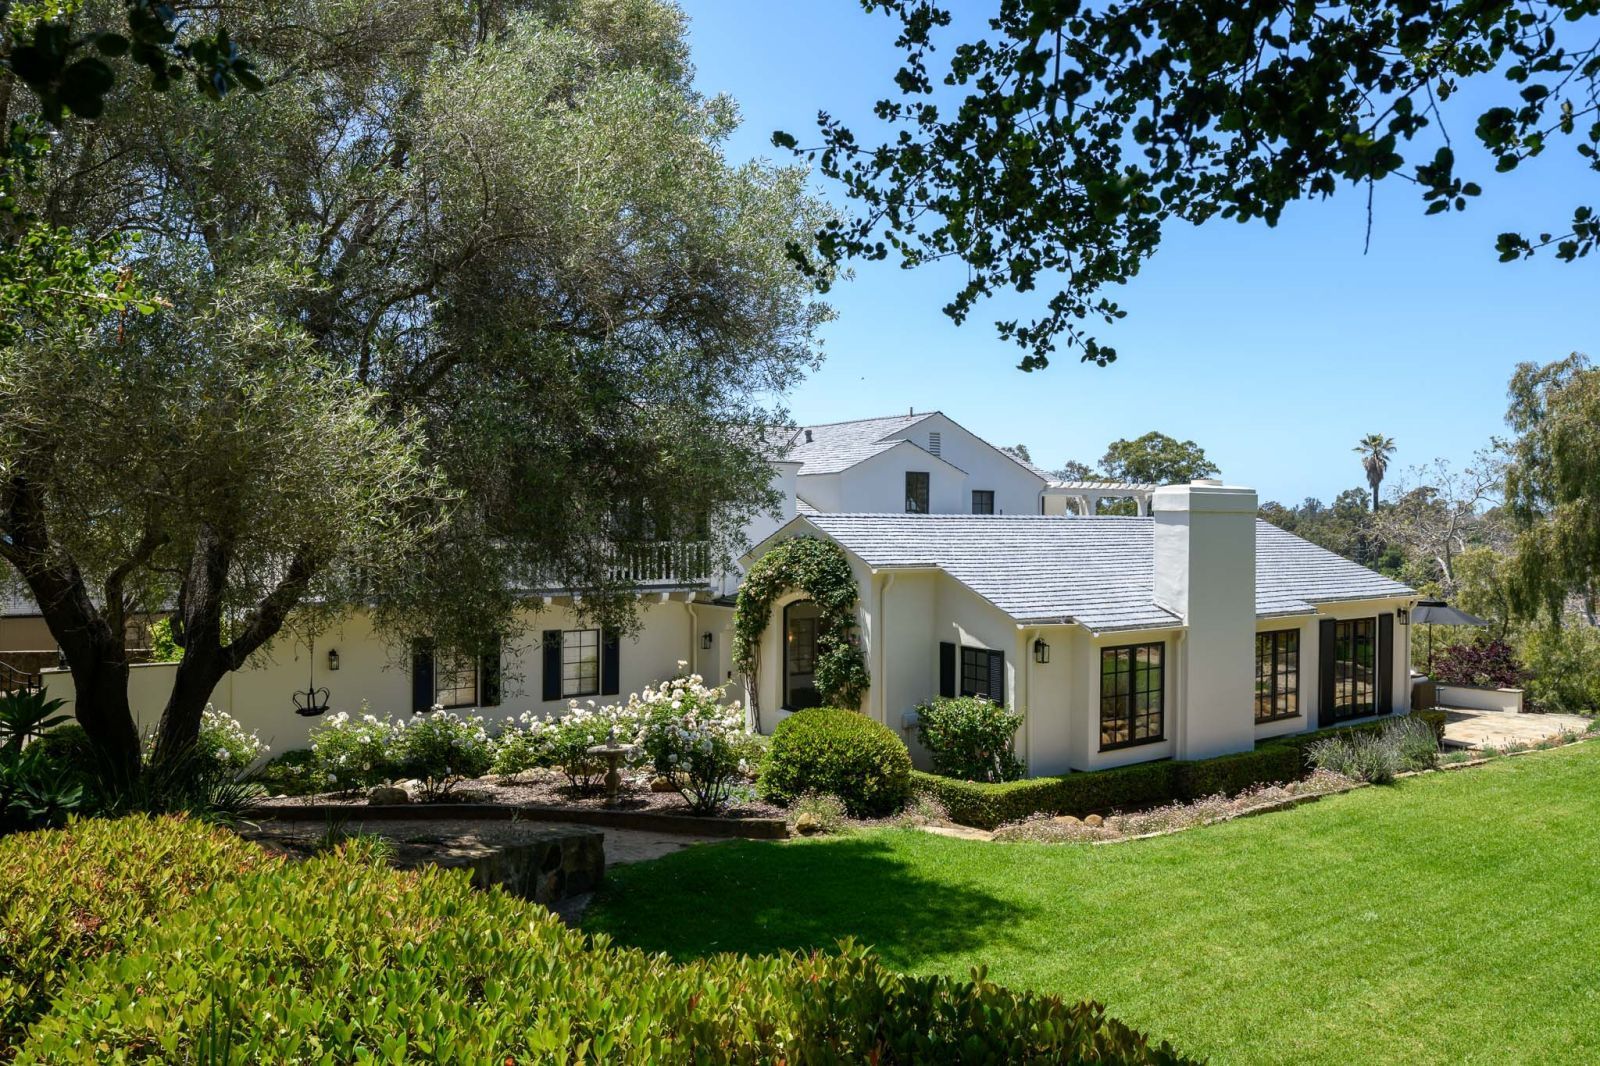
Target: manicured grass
point(1448, 918)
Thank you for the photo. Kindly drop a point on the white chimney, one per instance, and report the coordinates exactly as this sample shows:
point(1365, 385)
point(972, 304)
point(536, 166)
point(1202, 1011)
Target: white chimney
point(1205, 572)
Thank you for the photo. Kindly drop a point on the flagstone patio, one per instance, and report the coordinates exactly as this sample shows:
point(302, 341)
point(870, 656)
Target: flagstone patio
point(1496, 729)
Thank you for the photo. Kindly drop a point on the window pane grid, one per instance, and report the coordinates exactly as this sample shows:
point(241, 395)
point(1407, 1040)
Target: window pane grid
point(983, 501)
point(916, 492)
point(455, 680)
point(975, 673)
point(1132, 688)
point(580, 662)
point(1277, 675)
point(1355, 668)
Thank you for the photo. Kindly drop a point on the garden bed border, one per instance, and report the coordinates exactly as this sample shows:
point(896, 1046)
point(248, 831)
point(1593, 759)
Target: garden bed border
point(646, 821)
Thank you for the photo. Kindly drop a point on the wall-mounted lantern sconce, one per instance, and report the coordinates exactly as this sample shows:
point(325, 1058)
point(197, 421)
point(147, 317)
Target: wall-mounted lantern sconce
point(333, 658)
point(705, 640)
point(1041, 652)
point(1403, 616)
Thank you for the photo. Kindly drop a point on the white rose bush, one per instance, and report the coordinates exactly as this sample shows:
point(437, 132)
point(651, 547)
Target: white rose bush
point(681, 729)
point(695, 740)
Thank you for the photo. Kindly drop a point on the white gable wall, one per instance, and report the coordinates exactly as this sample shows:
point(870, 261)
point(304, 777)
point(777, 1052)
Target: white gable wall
point(1016, 489)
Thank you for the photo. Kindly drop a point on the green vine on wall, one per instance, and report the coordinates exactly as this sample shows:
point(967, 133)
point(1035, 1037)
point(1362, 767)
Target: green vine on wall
point(819, 569)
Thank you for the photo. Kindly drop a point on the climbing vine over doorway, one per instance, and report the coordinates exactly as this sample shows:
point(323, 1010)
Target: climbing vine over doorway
point(819, 569)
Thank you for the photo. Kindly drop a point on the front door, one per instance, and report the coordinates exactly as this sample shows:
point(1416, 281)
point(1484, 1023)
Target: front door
point(800, 656)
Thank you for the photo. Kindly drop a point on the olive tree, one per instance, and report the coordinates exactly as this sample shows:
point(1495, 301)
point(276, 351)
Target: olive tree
point(502, 242)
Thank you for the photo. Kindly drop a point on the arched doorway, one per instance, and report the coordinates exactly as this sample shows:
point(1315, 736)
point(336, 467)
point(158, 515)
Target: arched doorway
point(800, 656)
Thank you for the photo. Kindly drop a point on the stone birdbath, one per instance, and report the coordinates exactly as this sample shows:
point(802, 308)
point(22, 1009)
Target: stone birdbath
point(613, 753)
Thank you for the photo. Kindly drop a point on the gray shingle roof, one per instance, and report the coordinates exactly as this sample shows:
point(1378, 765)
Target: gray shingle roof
point(1095, 570)
point(1292, 575)
point(840, 445)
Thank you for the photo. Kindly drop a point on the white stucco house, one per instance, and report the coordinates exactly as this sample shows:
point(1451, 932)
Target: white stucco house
point(1190, 630)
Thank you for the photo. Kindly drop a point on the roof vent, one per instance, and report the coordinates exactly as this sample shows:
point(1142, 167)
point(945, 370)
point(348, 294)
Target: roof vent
point(808, 436)
point(933, 443)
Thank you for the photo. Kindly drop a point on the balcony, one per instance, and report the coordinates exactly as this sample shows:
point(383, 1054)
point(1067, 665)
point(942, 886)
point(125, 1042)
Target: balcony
point(662, 563)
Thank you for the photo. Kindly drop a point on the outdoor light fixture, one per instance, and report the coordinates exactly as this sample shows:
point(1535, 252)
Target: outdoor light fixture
point(705, 640)
point(1403, 616)
point(314, 701)
point(1041, 652)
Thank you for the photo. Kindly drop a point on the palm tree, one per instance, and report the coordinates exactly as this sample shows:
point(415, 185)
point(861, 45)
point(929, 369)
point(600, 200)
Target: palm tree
point(1375, 450)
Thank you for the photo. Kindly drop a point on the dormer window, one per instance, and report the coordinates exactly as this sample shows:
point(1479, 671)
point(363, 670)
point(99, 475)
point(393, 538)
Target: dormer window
point(916, 492)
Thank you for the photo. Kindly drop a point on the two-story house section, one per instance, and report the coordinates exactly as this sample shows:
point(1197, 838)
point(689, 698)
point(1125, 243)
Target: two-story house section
point(913, 463)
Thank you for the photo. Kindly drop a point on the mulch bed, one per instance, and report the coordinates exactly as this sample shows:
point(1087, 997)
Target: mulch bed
point(544, 788)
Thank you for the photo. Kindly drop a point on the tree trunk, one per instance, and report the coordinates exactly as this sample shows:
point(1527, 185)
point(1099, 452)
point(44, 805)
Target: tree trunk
point(197, 626)
point(91, 639)
point(198, 673)
point(100, 683)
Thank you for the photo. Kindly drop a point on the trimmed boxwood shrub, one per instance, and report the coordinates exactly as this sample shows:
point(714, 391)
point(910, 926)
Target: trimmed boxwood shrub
point(72, 895)
point(844, 753)
point(1147, 784)
point(341, 959)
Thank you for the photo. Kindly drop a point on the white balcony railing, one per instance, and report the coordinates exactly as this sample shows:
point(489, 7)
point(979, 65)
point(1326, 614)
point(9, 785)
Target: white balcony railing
point(664, 562)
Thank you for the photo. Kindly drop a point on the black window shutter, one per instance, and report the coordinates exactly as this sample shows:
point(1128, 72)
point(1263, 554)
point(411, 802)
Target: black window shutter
point(489, 676)
point(552, 664)
point(947, 668)
point(421, 676)
point(610, 663)
point(1385, 663)
point(997, 677)
point(1326, 648)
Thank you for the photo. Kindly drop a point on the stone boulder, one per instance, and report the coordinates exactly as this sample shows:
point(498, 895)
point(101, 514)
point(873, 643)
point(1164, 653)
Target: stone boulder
point(387, 795)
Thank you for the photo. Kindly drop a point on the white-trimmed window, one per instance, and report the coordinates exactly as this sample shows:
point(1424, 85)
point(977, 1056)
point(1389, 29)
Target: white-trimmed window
point(580, 663)
point(455, 679)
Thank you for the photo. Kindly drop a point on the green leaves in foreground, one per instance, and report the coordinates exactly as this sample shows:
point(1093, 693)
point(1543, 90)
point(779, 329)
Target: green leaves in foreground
point(340, 959)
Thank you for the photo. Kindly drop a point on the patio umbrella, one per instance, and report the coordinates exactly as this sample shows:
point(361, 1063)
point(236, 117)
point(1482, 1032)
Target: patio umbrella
point(1440, 613)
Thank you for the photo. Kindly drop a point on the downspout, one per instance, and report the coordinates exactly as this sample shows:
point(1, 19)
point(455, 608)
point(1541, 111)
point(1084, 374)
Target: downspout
point(880, 634)
point(1181, 750)
point(1027, 700)
point(694, 637)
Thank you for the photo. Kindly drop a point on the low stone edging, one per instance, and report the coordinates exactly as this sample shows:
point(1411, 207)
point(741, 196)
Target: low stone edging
point(647, 821)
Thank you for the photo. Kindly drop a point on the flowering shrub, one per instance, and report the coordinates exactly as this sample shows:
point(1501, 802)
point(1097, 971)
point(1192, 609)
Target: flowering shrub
point(522, 745)
point(581, 728)
point(439, 750)
point(693, 738)
point(971, 738)
point(224, 742)
point(350, 753)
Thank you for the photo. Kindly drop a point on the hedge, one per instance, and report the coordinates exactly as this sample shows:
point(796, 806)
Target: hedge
point(77, 894)
point(1148, 784)
point(342, 959)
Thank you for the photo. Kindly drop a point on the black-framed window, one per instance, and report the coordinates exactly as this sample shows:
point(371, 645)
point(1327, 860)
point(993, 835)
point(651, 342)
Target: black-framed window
point(1355, 675)
point(983, 501)
point(983, 674)
point(916, 492)
point(1277, 675)
point(580, 662)
point(455, 679)
point(1132, 695)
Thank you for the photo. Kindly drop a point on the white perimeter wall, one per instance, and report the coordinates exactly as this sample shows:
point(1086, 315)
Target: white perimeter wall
point(373, 672)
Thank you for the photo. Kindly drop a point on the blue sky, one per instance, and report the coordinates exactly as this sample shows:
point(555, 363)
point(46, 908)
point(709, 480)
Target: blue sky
point(1274, 348)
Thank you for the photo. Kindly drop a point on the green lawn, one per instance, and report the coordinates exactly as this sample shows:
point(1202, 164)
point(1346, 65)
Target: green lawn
point(1448, 918)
